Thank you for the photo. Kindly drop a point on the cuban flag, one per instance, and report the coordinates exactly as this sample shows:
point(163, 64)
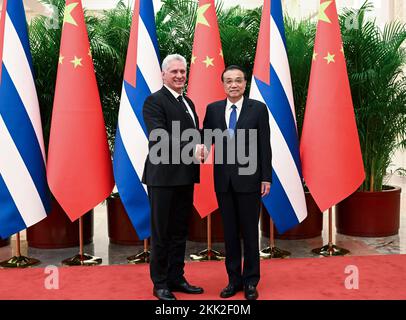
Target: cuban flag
point(24, 196)
point(271, 84)
point(142, 76)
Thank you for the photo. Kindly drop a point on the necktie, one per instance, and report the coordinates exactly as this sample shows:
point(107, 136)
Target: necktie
point(180, 99)
point(233, 121)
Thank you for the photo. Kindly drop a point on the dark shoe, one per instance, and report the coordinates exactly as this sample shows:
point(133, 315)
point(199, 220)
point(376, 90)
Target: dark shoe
point(251, 292)
point(163, 294)
point(185, 287)
point(230, 291)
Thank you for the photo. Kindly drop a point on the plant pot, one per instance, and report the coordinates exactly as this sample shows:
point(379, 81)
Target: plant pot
point(57, 231)
point(120, 228)
point(370, 214)
point(198, 227)
point(310, 227)
point(4, 242)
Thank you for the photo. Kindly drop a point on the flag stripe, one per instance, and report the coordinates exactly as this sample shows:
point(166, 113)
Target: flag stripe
point(280, 64)
point(277, 17)
point(21, 74)
point(278, 105)
point(2, 23)
point(280, 206)
point(18, 180)
point(149, 68)
point(23, 190)
point(147, 11)
point(132, 191)
point(23, 136)
point(19, 23)
point(284, 166)
point(286, 202)
point(21, 113)
point(132, 128)
point(131, 145)
point(10, 222)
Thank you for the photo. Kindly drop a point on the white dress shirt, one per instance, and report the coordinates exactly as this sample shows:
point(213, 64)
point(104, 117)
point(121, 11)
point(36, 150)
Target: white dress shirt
point(176, 95)
point(238, 104)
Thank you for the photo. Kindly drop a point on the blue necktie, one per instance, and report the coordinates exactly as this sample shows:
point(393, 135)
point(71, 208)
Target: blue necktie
point(233, 121)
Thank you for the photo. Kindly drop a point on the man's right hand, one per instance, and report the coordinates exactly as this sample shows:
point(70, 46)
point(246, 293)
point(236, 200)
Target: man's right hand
point(201, 153)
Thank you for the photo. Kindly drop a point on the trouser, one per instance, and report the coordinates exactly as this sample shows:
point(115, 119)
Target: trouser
point(170, 211)
point(240, 213)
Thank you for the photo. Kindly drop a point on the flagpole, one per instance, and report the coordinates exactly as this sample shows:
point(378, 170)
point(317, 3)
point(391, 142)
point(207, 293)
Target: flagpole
point(208, 253)
point(142, 257)
point(19, 261)
point(330, 249)
point(272, 252)
point(82, 259)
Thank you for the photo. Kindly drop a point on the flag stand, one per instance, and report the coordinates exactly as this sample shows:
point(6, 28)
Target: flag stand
point(19, 261)
point(82, 259)
point(330, 249)
point(209, 253)
point(142, 257)
point(272, 252)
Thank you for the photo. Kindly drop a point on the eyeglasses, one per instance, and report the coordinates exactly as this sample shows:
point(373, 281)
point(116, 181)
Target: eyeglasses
point(238, 81)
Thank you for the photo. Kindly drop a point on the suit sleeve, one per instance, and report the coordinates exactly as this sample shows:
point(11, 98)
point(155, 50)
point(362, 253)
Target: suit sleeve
point(207, 124)
point(265, 152)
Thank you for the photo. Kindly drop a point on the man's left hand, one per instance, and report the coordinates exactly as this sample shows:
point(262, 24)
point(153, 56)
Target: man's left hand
point(265, 187)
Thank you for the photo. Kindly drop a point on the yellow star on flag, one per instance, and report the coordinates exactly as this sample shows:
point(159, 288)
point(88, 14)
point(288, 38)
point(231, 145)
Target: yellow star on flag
point(193, 59)
point(208, 61)
point(329, 58)
point(68, 14)
point(322, 12)
point(77, 62)
point(315, 56)
point(61, 59)
point(221, 53)
point(200, 15)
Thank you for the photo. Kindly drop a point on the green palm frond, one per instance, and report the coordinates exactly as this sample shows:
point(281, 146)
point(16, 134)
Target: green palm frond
point(375, 62)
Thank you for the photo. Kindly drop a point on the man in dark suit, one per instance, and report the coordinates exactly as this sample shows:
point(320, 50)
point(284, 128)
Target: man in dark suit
point(167, 114)
point(240, 180)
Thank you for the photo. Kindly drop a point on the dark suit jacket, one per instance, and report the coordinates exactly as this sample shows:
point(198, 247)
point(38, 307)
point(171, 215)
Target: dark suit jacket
point(159, 111)
point(253, 115)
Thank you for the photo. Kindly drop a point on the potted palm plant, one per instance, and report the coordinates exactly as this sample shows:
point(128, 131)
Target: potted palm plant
point(375, 59)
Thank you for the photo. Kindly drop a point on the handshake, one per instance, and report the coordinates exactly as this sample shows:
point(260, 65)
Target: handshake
point(201, 152)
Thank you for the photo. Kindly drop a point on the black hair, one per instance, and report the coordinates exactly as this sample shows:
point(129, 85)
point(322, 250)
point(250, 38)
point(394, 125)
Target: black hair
point(233, 67)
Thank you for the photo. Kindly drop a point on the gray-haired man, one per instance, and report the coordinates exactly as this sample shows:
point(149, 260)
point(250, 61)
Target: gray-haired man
point(171, 184)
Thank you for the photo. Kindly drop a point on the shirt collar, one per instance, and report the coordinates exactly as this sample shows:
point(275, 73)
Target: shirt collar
point(238, 104)
point(174, 93)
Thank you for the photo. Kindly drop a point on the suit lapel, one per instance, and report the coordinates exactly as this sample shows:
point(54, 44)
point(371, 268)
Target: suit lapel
point(243, 114)
point(222, 110)
point(177, 106)
point(170, 96)
point(192, 107)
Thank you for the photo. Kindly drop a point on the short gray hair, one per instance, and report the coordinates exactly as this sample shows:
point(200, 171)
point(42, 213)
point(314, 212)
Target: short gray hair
point(172, 57)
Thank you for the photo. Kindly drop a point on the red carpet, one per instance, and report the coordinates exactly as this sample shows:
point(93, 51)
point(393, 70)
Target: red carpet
point(380, 277)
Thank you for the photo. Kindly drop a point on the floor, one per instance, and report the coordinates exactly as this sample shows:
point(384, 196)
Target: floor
point(117, 254)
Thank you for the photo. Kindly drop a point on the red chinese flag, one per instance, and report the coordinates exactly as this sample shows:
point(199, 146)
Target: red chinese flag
point(79, 164)
point(330, 150)
point(205, 87)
